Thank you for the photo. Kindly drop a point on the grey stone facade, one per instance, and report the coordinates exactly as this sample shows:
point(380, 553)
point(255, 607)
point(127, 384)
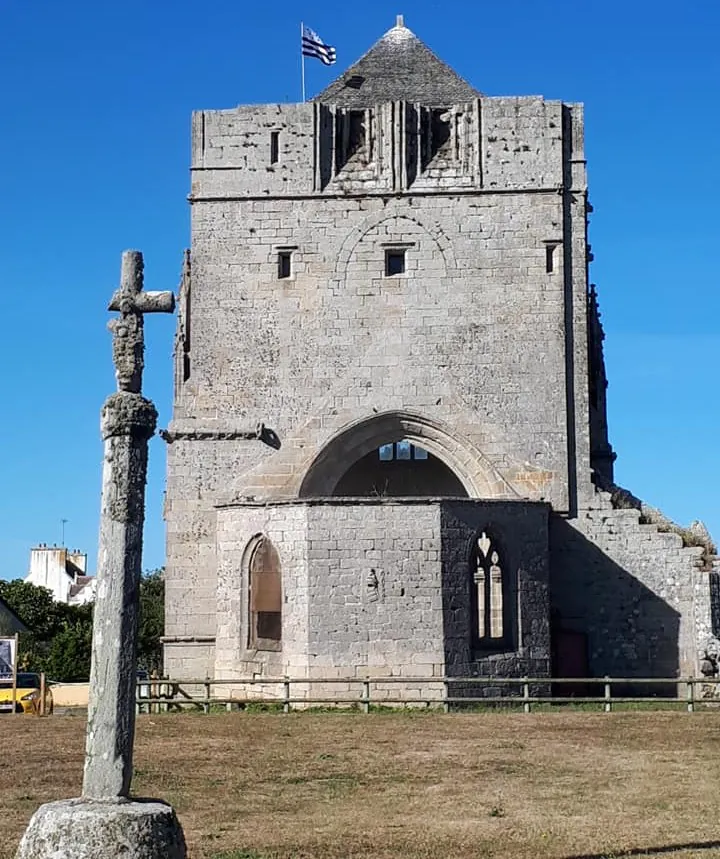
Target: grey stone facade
point(301, 351)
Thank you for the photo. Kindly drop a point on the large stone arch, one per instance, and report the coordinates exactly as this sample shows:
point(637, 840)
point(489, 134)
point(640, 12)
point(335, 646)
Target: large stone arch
point(478, 476)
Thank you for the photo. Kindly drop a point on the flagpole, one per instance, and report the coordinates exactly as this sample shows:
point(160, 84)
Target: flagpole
point(302, 61)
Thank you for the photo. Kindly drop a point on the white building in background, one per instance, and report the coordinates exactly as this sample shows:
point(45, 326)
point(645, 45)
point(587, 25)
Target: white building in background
point(63, 572)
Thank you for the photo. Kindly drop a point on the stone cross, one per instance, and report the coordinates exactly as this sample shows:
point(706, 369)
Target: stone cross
point(104, 821)
point(128, 421)
point(132, 302)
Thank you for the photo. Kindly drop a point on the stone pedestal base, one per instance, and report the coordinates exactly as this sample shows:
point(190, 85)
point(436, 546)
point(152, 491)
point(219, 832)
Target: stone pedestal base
point(86, 829)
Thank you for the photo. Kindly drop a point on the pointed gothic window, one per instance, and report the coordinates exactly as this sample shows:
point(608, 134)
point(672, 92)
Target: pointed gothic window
point(265, 597)
point(490, 600)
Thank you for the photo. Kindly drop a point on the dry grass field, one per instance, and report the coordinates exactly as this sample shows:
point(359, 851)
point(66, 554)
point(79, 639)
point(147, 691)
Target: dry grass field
point(401, 785)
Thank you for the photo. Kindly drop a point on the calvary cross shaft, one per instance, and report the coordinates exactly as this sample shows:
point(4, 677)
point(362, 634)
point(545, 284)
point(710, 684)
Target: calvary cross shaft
point(127, 329)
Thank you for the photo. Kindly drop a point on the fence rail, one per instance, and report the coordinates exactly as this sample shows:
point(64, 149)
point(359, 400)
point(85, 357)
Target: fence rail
point(157, 695)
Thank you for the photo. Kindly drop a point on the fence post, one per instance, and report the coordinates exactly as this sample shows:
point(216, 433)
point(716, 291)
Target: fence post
point(286, 687)
point(526, 695)
point(206, 704)
point(446, 706)
point(42, 693)
point(608, 695)
point(691, 694)
point(366, 695)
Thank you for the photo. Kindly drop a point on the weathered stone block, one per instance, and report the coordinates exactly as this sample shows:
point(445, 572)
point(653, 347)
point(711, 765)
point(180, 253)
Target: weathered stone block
point(85, 829)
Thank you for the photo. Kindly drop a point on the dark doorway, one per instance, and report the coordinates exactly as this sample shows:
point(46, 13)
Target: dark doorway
point(570, 659)
point(399, 469)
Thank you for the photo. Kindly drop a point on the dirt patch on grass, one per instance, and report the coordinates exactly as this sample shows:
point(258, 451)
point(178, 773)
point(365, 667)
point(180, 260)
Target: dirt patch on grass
point(396, 786)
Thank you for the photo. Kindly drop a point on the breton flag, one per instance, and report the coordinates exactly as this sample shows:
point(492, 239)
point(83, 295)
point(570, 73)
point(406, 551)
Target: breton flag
point(313, 46)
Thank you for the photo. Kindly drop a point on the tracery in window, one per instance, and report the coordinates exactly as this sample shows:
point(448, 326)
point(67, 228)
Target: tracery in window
point(488, 593)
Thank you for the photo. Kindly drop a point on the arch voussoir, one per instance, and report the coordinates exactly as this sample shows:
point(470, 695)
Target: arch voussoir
point(477, 475)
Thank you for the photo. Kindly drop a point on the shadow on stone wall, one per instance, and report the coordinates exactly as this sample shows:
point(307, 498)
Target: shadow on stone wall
point(520, 530)
point(628, 629)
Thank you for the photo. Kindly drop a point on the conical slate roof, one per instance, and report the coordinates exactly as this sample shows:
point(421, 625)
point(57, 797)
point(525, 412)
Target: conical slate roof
point(398, 67)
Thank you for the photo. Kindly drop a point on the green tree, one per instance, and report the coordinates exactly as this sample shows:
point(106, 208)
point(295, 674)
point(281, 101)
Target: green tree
point(34, 605)
point(52, 626)
point(39, 612)
point(60, 638)
point(68, 656)
point(151, 621)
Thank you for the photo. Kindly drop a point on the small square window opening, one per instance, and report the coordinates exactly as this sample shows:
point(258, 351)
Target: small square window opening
point(284, 264)
point(394, 262)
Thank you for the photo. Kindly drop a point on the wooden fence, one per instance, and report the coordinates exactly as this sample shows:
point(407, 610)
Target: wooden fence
point(445, 692)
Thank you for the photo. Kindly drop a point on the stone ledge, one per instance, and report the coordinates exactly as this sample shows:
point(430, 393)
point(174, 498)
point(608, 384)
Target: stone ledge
point(364, 501)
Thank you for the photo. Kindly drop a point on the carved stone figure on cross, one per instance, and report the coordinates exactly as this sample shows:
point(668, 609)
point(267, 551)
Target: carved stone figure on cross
point(127, 329)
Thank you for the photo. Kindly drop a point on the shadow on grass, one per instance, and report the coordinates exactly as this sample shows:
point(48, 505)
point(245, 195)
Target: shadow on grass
point(649, 851)
point(607, 854)
point(237, 854)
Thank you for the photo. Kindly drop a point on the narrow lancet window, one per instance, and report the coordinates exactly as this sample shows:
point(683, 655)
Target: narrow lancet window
point(274, 147)
point(265, 597)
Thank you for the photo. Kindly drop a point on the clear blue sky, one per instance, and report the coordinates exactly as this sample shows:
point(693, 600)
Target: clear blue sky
point(94, 147)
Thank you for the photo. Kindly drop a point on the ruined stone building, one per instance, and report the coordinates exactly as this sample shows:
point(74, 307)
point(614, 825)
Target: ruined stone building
point(389, 449)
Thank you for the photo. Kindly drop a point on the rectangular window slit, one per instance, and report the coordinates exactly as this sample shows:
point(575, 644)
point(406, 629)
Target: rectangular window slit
point(550, 258)
point(274, 147)
point(284, 264)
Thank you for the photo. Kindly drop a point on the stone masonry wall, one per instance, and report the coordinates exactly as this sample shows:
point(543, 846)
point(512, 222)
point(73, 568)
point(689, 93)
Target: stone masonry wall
point(338, 341)
point(520, 148)
point(520, 530)
point(642, 599)
point(361, 590)
point(287, 528)
point(473, 334)
point(375, 603)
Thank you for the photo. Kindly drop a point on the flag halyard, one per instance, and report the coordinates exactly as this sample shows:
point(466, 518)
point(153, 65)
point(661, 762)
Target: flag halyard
point(313, 46)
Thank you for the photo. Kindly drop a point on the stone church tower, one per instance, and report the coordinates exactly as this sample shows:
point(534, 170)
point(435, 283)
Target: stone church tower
point(389, 449)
